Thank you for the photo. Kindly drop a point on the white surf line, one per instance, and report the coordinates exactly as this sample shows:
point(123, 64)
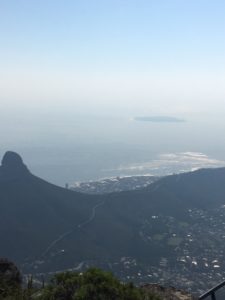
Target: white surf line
point(81, 225)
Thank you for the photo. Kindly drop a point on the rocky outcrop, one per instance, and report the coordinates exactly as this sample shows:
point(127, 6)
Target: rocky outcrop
point(10, 277)
point(168, 293)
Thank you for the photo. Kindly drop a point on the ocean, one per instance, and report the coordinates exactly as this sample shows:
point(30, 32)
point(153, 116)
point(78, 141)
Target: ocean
point(69, 148)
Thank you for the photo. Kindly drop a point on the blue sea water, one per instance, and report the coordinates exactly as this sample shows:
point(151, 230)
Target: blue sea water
point(65, 149)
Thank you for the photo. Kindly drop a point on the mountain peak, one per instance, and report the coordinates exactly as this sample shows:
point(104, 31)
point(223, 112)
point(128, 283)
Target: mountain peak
point(11, 159)
point(12, 165)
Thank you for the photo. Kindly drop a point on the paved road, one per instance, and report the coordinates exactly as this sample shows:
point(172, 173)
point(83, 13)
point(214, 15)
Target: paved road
point(79, 226)
point(93, 215)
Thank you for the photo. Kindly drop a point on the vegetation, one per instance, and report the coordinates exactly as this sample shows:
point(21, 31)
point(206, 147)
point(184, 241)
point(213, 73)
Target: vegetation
point(94, 284)
point(10, 280)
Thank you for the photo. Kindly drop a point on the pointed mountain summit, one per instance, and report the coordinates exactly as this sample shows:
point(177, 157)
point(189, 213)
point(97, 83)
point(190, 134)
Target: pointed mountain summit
point(33, 212)
point(12, 166)
point(12, 159)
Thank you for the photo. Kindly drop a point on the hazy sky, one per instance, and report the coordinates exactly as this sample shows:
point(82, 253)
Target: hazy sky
point(106, 56)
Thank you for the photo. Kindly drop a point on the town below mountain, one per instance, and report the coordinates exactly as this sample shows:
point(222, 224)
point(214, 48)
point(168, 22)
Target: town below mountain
point(168, 232)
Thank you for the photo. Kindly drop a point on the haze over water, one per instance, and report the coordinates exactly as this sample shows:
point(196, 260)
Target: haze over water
point(81, 148)
point(75, 74)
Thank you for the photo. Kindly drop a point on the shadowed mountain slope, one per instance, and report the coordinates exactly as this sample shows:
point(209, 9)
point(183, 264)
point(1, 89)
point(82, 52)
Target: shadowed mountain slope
point(132, 219)
point(32, 211)
point(165, 225)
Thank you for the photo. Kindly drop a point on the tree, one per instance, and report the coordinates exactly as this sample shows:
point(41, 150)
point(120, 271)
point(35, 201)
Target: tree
point(10, 280)
point(94, 284)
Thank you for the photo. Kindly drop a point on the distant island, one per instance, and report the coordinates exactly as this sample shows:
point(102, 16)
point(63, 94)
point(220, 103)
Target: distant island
point(159, 119)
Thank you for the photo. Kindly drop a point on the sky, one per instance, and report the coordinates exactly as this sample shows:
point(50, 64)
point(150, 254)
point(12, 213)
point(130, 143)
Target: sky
point(75, 73)
point(112, 57)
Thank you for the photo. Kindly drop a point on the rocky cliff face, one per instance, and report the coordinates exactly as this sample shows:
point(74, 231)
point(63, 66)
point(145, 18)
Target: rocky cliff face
point(168, 293)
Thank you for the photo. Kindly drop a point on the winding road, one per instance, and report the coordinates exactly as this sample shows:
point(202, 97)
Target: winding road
point(79, 226)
